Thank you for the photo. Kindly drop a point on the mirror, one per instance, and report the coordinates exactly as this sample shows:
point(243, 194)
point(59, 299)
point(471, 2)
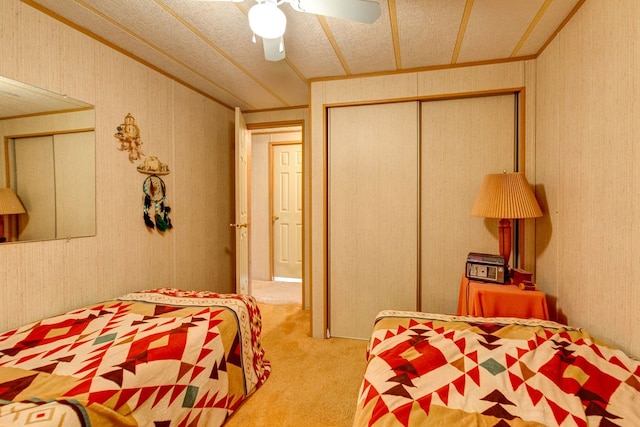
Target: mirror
point(48, 162)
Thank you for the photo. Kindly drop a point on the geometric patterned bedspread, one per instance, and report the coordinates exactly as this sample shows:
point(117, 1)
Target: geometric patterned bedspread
point(162, 357)
point(436, 370)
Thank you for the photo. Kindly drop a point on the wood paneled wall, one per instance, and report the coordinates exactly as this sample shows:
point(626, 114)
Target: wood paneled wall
point(192, 134)
point(587, 133)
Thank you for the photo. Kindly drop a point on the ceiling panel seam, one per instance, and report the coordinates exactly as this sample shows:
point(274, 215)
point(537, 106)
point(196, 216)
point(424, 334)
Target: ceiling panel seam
point(221, 52)
point(393, 18)
point(462, 30)
point(531, 27)
point(334, 44)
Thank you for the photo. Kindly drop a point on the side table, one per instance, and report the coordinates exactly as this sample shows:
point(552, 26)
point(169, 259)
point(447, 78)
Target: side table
point(496, 300)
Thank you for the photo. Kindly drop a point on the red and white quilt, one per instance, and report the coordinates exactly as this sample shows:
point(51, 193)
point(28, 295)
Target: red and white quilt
point(163, 357)
point(435, 370)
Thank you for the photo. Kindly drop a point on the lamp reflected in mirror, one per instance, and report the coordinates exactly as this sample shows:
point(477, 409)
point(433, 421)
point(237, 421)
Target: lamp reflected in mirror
point(9, 205)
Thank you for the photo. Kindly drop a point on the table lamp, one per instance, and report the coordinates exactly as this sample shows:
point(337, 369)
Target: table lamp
point(506, 196)
point(9, 205)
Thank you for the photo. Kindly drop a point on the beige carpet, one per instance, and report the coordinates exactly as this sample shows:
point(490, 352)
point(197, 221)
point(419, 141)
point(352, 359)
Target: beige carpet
point(313, 382)
point(275, 292)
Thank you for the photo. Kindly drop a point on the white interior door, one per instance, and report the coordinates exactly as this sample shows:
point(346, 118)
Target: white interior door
point(242, 169)
point(373, 214)
point(287, 210)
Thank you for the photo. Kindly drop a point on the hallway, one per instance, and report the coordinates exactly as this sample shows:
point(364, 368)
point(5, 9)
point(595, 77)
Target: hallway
point(277, 292)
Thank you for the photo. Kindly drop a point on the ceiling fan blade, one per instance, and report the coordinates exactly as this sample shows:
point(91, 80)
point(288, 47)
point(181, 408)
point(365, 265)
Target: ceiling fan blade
point(364, 11)
point(273, 49)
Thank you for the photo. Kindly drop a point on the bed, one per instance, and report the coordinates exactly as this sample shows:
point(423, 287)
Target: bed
point(162, 357)
point(427, 369)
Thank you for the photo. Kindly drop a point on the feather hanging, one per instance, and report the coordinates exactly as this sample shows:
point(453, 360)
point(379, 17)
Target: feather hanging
point(162, 226)
point(147, 220)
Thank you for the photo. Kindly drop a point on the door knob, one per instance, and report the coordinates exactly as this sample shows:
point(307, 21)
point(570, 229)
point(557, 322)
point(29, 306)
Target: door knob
point(275, 218)
point(243, 225)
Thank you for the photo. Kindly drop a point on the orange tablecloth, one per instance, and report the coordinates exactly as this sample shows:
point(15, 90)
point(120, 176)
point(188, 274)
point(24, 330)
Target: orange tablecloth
point(494, 300)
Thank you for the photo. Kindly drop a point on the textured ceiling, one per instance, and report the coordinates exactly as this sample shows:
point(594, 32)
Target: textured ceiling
point(19, 100)
point(207, 45)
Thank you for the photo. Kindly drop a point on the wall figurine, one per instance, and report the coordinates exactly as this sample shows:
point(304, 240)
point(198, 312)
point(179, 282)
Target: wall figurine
point(153, 166)
point(129, 136)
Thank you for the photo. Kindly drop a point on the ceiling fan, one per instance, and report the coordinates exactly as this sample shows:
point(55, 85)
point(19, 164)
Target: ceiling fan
point(269, 22)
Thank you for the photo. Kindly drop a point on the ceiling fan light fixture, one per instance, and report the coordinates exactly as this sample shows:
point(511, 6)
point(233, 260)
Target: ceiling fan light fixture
point(267, 20)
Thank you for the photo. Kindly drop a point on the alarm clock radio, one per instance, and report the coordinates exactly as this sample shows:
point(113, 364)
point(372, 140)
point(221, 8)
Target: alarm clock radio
point(486, 267)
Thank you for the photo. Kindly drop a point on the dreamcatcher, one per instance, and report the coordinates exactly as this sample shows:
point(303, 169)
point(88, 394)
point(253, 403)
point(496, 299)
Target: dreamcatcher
point(154, 198)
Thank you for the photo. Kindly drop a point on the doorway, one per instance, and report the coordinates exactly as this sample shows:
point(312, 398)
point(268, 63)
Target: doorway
point(269, 223)
point(286, 211)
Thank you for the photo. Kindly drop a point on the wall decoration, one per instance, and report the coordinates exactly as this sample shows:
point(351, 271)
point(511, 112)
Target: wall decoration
point(153, 165)
point(129, 136)
point(155, 208)
point(154, 190)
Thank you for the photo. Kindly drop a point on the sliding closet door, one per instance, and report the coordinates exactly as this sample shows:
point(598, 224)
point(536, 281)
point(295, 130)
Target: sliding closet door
point(373, 214)
point(56, 185)
point(36, 187)
point(462, 141)
point(75, 188)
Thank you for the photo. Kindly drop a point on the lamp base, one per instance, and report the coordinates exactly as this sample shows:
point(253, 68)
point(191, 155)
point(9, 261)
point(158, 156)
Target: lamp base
point(504, 241)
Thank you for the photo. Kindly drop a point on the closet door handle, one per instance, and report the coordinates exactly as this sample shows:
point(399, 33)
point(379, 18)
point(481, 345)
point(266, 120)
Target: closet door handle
point(275, 218)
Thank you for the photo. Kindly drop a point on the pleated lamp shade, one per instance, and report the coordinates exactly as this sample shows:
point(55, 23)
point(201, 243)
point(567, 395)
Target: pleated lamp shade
point(506, 195)
point(9, 203)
